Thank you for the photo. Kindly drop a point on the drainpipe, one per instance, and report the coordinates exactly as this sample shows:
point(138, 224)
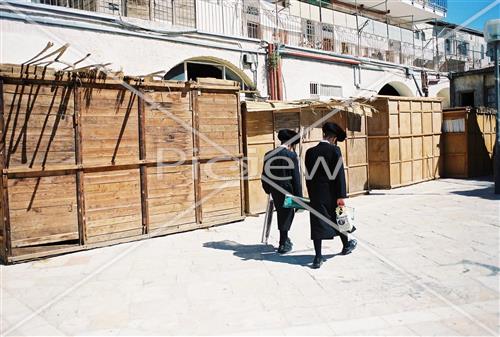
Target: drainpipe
point(270, 72)
point(279, 77)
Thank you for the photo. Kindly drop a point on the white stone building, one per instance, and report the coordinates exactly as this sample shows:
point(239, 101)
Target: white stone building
point(326, 48)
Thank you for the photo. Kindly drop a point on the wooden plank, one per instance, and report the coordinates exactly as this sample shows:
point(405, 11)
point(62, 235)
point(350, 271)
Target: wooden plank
point(241, 162)
point(106, 192)
point(196, 152)
point(82, 230)
point(34, 220)
point(103, 180)
point(141, 116)
point(4, 204)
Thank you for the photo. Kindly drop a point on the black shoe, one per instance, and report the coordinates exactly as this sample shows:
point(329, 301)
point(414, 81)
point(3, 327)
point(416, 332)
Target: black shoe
point(284, 248)
point(317, 262)
point(350, 247)
point(289, 244)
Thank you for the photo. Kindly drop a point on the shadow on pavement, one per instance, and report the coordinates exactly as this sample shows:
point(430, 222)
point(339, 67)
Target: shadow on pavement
point(261, 252)
point(493, 269)
point(484, 193)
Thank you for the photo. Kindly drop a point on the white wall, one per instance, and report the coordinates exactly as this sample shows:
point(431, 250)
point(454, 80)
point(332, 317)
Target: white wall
point(298, 73)
point(133, 55)
point(141, 55)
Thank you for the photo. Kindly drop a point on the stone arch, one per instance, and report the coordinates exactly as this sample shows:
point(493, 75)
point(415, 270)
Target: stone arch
point(445, 95)
point(396, 89)
point(209, 66)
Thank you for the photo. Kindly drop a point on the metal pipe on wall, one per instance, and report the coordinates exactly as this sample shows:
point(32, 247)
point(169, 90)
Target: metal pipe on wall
point(496, 52)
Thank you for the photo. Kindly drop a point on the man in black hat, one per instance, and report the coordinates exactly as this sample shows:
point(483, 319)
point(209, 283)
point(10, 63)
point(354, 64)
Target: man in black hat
point(281, 167)
point(326, 186)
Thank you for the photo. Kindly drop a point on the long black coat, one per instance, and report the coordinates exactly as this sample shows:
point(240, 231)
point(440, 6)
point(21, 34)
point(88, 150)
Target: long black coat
point(322, 188)
point(279, 165)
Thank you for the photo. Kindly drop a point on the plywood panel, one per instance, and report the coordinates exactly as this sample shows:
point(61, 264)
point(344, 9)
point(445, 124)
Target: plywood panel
point(171, 200)
point(42, 210)
point(416, 106)
point(392, 106)
point(406, 148)
point(417, 147)
point(393, 149)
point(428, 168)
point(428, 147)
point(404, 106)
point(378, 123)
point(257, 197)
point(169, 133)
point(405, 124)
point(437, 120)
point(218, 124)
point(259, 127)
point(417, 170)
point(427, 106)
point(437, 145)
point(255, 155)
point(379, 175)
point(38, 125)
point(378, 149)
point(406, 173)
point(220, 188)
point(394, 174)
point(112, 204)
point(109, 138)
point(427, 123)
point(356, 150)
point(358, 179)
point(394, 124)
point(416, 123)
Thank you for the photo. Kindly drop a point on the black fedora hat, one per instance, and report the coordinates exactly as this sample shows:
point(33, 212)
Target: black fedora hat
point(333, 129)
point(284, 135)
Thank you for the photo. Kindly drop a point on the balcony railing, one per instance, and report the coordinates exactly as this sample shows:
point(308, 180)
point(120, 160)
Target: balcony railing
point(258, 20)
point(441, 5)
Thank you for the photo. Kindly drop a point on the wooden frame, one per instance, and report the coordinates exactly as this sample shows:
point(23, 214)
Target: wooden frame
point(103, 171)
point(468, 145)
point(261, 124)
point(404, 141)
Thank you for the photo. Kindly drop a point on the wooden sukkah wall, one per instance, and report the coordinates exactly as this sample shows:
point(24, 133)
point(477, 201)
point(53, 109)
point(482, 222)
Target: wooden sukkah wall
point(263, 120)
point(404, 140)
point(88, 162)
point(468, 142)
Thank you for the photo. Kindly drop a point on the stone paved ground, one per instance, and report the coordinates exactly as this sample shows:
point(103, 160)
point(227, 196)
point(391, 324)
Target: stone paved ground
point(427, 264)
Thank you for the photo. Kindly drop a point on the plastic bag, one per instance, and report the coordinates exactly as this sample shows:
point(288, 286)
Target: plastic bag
point(345, 219)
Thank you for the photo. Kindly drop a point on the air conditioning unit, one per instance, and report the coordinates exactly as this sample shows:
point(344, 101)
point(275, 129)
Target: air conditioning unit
point(249, 58)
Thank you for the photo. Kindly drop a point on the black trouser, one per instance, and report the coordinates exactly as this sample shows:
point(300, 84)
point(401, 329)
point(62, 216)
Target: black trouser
point(317, 244)
point(283, 237)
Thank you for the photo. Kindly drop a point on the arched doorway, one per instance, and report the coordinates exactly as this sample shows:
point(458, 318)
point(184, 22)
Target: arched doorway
point(445, 95)
point(396, 89)
point(209, 66)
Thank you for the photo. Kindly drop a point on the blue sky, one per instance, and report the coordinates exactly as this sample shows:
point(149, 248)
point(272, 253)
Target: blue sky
point(461, 10)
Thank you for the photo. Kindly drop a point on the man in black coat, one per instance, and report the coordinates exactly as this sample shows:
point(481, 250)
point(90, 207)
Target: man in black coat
point(325, 181)
point(281, 168)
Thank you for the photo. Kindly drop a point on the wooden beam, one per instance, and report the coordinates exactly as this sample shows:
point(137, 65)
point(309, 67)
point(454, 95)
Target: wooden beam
point(241, 162)
point(5, 245)
point(196, 151)
point(143, 169)
point(80, 194)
